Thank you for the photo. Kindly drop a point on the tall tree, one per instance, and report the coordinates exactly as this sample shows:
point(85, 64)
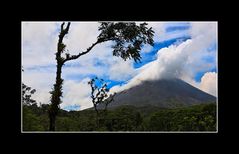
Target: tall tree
point(128, 37)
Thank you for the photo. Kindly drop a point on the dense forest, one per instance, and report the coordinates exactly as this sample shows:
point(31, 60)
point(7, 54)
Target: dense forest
point(124, 118)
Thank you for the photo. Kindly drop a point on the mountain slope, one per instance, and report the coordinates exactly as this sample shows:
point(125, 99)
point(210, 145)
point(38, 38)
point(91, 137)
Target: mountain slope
point(163, 93)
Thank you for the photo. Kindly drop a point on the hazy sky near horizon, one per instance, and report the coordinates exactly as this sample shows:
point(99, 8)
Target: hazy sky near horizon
point(185, 50)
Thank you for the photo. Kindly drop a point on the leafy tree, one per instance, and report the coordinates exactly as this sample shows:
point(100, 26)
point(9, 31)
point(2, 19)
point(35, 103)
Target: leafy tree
point(128, 38)
point(27, 93)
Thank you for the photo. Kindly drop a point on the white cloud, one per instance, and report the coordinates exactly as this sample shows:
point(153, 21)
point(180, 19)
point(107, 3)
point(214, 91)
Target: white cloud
point(77, 93)
point(38, 43)
point(81, 36)
point(209, 83)
point(169, 64)
point(147, 48)
point(41, 81)
point(161, 34)
point(74, 92)
point(205, 31)
point(192, 58)
point(42, 95)
point(121, 70)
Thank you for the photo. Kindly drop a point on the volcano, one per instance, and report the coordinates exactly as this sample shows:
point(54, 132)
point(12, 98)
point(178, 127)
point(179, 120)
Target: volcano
point(165, 93)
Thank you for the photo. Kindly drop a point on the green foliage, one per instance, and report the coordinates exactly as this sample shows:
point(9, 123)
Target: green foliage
point(65, 124)
point(195, 118)
point(128, 38)
point(27, 93)
point(31, 121)
point(124, 118)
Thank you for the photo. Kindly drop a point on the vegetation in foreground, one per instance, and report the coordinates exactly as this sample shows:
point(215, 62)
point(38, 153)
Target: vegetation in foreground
point(125, 118)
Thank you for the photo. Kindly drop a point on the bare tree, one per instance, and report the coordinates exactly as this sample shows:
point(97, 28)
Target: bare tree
point(100, 96)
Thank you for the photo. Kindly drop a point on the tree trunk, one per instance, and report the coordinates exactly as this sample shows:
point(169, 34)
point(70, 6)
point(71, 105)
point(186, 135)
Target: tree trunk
point(56, 97)
point(52, 123)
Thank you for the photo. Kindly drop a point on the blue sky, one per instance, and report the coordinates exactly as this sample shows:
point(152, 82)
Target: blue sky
point(185, 50)
point(199, 75)
point(177, 27)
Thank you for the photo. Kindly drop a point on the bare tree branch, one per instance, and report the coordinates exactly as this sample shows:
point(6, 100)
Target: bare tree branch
point(72, 57)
